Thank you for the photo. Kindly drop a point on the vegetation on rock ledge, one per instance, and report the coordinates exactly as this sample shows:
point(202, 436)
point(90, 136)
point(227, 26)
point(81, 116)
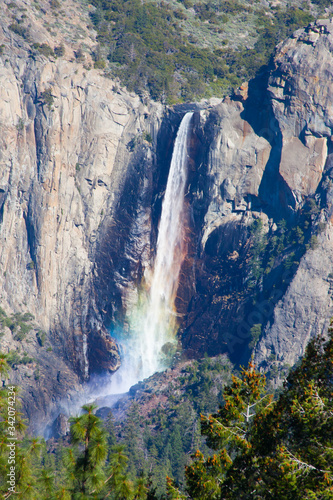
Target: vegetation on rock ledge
point(180, 51)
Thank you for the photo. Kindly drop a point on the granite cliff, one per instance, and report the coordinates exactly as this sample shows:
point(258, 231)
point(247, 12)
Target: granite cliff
point(268, 157)
point(84, 165)
point(69, 138)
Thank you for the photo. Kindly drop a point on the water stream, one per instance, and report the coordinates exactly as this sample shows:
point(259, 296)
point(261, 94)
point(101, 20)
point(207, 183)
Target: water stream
point(152, 323)
point(160, 321)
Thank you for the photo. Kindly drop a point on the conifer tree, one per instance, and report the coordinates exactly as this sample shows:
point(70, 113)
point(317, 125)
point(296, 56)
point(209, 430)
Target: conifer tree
point(15, 450)
point(271, 450)
point(118, 485)
point(133, 440)
point(228, 433)
point(294, 443)
point(172, 492)
point(87, 432)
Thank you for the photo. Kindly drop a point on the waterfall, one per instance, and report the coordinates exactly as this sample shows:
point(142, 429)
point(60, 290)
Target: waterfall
point(152, 323)
point(160, 321)
point(150, 338)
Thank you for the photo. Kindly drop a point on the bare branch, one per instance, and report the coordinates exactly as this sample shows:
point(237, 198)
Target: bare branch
point(306, 466)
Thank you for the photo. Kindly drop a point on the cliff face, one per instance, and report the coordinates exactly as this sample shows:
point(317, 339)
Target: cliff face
point(83, 169)
point(268, 157)
point(301, 94)
point(69, 141)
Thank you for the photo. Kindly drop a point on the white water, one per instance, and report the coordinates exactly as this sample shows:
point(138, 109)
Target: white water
point(153, 322)
point(160, 321)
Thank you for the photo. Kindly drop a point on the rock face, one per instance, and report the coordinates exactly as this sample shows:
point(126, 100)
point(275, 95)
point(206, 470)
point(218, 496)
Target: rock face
point(267, 151)
point(84, 165)
point(225, 198)
point(301, 92)
point(69, 141)
point(303, 312)
point(302, 104)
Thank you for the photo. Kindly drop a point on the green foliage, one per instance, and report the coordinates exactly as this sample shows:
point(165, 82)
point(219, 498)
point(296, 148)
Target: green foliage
point(97, 56)
point(18, 323)
point(162, 50)
point(280, 449)
point(147, 137)
point(59, 50)
point(162, 441)
point(259, 243)
point(55, 4)
point(313, 243)
point(14, 359)
point(255, 335)
point(99, 64)
point(132, 143)
point(43, 49)
point(139, 36)
point(85, 469)
point(87, 472)
point(37, 374)
point(79, 55)
point(20, 125)
point(4, 366)
point(279, 250)
point(228, 432)
point(19, 30)
point(13, 426)
point(172, 492)
point(285, 22)
point(137, 139)
point(2, 49)
point(321, 226)
point(120, 485)
point(47, 98)
point(322, 3)
point(41, 337)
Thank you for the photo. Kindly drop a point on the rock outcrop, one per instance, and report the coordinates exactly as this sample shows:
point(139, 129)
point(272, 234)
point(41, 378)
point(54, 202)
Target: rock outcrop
point(268, 152)
point(69, 141)
point(301, 92)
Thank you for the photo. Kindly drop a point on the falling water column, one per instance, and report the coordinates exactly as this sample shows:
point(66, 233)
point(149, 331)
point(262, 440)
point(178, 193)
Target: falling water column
point(159, 325)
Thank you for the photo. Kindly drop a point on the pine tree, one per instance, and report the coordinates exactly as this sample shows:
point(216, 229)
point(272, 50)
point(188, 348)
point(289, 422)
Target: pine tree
point(119, 487)
point(172, 492)
point(271, 450)
point(295, 441)
point(82, 471)
point(87, 432)
point(228, 433)
point(15, 451)
point(133, 441)
point(177, 453)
